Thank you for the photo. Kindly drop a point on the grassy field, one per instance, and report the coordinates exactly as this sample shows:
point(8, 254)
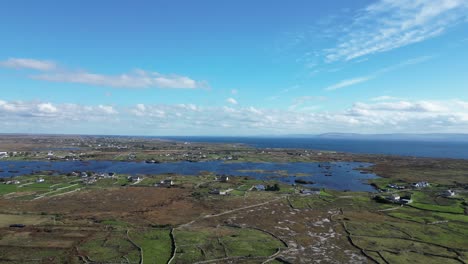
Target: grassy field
point(223, 242)
point(111, 247)
point(156, 244)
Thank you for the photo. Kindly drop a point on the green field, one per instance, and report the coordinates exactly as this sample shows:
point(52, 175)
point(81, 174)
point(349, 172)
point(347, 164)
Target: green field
point(156, 244)
point(223, 242)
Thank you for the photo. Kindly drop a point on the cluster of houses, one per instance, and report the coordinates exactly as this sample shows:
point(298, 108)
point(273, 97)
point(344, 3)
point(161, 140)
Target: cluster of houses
point(421, 184)
point(165, 183)
point(416, 185)
point(93, 177)
point(39, 180)
point(394, 186)
point(221, 178)
point(134, 178)
point(396, 198)
point(12, 182)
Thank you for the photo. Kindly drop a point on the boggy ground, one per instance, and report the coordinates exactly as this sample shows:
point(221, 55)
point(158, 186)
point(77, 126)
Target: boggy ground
point(186, 224)
point(68, 222)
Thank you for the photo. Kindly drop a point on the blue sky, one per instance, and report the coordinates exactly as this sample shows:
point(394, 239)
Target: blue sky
point(234, 67)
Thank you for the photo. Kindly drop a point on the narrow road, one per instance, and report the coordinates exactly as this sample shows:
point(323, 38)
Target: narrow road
point(59, 189)
point(242, 208)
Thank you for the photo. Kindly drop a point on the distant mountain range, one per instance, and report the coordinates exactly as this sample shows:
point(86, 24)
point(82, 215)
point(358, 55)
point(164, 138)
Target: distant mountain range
point(399, 136)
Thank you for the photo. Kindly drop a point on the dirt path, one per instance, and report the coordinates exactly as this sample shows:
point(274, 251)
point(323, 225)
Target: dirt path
point(59, 189)
point(389, 209)
point(60, 194)
point(228, 212)
point(242, 208)
point(25, 184)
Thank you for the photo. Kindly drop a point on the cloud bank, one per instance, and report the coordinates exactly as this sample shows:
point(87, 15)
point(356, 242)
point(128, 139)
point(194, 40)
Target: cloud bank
point(189, 119)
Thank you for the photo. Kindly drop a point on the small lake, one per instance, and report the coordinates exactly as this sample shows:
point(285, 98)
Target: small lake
point(333, 175)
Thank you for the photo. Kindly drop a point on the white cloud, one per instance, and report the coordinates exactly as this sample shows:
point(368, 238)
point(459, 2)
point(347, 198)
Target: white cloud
point(47, 108)
point(357, 80)
point(461, 103)
point(232, 101)
point(19, 63)
point(385, 98)
point(136, 79)
point(391, 24)
point(61, 112)
point(157, 119)
point(107, 109)
point(348, 82)
point(402, 106)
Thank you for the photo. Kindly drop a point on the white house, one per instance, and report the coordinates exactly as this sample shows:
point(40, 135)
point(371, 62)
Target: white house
point(394, 197)
point(40, 180)
point(166, 183)
point(421, 184)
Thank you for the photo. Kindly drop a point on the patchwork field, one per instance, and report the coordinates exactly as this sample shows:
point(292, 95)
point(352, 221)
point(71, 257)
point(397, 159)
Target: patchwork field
point(200, 219)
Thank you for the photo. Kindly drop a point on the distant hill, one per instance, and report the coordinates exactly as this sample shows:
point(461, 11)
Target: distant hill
point(402, 136)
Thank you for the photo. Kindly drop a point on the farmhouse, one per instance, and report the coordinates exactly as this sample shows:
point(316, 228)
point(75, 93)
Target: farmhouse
point(259, 187)
point(89, 180)
point(166, 183)
point(448, 193)
point(394, 198)
point(134, 178)
point(40, 180)
point(220, 192)
point(421, 184)
point(309, 192)
point(394, 186)
point(223, 178)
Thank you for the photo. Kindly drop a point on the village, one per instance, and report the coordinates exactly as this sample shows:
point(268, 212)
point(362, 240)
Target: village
point(237, 202)
point(210, 184)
